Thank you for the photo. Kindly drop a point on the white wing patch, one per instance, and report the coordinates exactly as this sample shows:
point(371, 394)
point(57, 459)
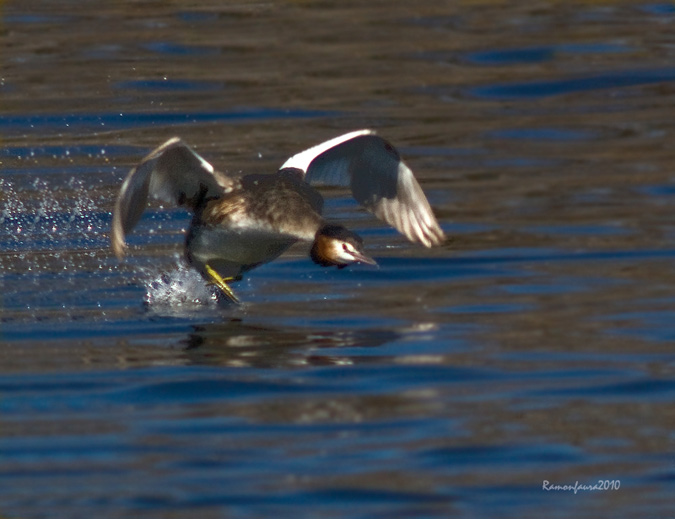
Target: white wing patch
point(379, 180)
point(303, 159)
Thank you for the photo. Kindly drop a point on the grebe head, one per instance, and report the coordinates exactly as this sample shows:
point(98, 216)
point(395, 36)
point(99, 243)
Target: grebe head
point(337, 245)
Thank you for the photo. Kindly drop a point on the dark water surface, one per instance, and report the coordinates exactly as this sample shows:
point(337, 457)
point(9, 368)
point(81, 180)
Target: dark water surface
point(535, 346)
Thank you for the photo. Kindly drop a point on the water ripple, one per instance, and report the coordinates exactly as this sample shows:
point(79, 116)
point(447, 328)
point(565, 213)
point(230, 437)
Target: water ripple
point(116, 120)
point(552, 87)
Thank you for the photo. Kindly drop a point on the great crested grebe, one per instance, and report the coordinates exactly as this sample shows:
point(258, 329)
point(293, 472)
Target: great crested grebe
point(240, 223)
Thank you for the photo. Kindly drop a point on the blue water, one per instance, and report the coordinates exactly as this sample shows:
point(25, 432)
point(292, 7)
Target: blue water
point(534, 348)
point(90, 122)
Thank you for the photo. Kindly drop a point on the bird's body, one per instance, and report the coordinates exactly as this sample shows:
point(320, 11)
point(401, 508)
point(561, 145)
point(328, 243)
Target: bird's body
point(241, 223)
point(262, 217)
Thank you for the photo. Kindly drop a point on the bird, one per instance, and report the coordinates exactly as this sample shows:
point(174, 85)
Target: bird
point(241, 222)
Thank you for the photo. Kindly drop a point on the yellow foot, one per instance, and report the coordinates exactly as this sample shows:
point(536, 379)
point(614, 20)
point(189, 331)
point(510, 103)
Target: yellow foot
point(221, 283)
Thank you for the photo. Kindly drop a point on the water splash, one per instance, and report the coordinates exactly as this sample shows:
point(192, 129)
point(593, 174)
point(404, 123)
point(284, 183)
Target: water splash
point(46, 216)
point(179, 289)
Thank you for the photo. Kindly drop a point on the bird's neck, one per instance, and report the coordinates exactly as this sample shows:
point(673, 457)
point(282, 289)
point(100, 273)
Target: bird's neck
point(321, 251)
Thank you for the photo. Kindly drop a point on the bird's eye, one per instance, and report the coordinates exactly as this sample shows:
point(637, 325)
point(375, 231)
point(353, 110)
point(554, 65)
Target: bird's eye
point(345, 247)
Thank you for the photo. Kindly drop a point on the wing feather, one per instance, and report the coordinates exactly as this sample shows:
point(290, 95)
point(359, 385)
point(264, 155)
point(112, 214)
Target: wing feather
point(173, 173)
point(379, 179)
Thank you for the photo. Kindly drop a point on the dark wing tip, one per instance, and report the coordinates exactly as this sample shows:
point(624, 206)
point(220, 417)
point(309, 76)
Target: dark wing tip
point(117, 235)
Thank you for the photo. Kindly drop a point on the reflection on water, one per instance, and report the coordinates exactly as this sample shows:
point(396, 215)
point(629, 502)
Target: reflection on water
point(534, 345)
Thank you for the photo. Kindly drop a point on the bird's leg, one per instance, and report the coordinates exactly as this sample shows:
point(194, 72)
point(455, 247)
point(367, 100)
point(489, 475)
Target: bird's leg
point(221, 283)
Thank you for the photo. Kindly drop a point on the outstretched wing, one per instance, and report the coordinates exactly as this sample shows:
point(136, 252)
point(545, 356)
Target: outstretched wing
point(173, 173)
point(380, 181)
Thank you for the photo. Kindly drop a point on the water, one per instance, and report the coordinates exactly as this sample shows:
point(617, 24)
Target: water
point(531, 351)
